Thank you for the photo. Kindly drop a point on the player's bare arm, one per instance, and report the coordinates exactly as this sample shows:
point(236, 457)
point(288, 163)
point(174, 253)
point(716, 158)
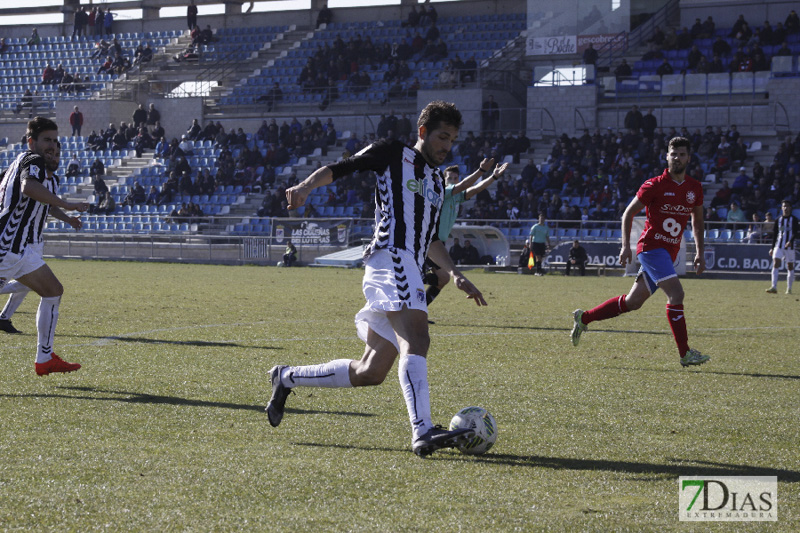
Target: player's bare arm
point(438, 254)
point(36, 191)
point(698, 229)
point(296, 196)
point(469, 181)
point(59, 214)
point(497, 173)
point(625, 254)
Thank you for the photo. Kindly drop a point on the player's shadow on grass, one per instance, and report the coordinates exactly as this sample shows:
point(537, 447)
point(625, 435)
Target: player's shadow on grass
point(539, 328)
point(704, 370)
point(674, 469)
point(205, 344)
point(144, 398)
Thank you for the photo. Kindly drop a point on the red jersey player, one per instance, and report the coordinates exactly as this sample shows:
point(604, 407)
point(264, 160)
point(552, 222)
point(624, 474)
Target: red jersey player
point(670, 199)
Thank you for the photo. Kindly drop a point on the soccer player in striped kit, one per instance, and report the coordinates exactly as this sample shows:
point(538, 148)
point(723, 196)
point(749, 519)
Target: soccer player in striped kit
point(671, 199)
point(27, 193)
point(409, 195)
point(786, 228)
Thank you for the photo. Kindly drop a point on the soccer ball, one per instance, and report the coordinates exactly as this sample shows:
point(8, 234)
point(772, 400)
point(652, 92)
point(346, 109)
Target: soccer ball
point(482, 422)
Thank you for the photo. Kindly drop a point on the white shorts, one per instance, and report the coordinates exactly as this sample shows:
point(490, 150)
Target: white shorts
point(783, 253)
point(392, 281)
point(14, 266)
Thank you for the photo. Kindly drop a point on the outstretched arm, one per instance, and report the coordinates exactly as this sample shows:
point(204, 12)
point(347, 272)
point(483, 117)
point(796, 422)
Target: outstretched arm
point(296, 196)
point(483, 168)
point(36, 191)
point(499, 170)
point(59, 214)
point(438, 254)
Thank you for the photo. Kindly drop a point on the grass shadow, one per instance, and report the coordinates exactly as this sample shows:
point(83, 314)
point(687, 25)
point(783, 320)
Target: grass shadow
point(704, 371)
point(144, 398)
point(675, 468)
point(145, 340)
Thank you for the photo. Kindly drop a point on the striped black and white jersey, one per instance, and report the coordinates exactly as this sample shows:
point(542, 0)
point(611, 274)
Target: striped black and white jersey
point(408, 196)
point(22, 219)
point(785, 231)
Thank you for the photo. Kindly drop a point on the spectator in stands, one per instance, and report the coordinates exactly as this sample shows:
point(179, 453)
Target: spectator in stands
point(97, 141)
point(120, 140)
point(194, 130)
point(633, 119)
point(142, 141)
point(152, 196)
point(694, 57)
point(784, 50)
point(80, 20)
point(429, 16)
point(325, 15)
point(139, 117)
point(90, 21)
point(741, 183)
point(74, 167)
point(470, 254)
point(413, 18)
point(191, 14)
point(48, 75)
point(456, 252)
point(107, 205)
point(665, 68)
point(490, 114)
point(34, 39)
point(792, 23)
point(153, 116)
point(3, 45)
point(101, 48)
point(590, 55)
point(735, 216)
point(708, 28)
point(25, 102)
point(737, 27)
point(108, 22)
point(76, 121)
point(623, 70)
point(721, 47)
point(697, 29)
point(106, 67)
point(186, 146)
point(97, 170)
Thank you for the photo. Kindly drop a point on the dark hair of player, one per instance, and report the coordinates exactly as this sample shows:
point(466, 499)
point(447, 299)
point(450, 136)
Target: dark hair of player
point(38, 125)
point(680, 142)
point(438, 112)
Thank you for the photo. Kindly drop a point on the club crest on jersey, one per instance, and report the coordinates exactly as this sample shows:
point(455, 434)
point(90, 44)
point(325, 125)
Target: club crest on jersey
point(690, 197)
point(420, 295)
point(425, 188)
point(34, 170)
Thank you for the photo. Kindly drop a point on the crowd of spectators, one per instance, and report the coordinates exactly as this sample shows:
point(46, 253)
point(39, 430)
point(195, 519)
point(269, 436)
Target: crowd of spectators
point(350, 61)
point(741, 51)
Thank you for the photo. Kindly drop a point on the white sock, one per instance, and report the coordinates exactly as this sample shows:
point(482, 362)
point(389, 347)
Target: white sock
point(333, 374)
point(46, 319)
point(18, 293)
point(789, 279)
point(775, 273)
point(413, 374)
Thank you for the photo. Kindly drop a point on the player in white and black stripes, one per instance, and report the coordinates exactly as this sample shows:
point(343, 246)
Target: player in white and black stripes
point(26, 194)
point(409, 195)
point(16, 290)
point(786, 228)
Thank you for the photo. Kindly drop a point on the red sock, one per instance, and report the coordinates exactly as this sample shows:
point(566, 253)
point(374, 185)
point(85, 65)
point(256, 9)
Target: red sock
point(678, 324)
point(608, 309)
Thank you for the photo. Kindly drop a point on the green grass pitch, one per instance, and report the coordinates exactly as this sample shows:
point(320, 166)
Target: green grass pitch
point(163, 428)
